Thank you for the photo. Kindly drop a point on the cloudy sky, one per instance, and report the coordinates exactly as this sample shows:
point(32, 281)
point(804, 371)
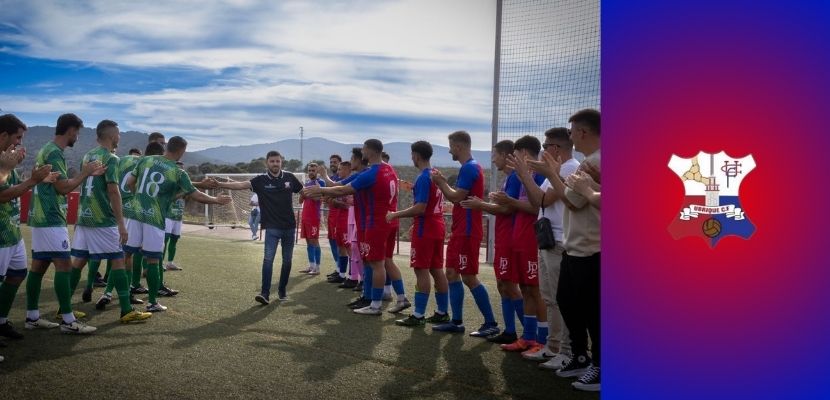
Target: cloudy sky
point(242, 72)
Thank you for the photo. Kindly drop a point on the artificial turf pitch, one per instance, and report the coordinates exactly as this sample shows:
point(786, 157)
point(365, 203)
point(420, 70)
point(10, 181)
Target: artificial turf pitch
point(216, 342)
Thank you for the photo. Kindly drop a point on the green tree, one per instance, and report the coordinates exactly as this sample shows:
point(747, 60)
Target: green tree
point(230, 169)
point(207, 168)
point(257, 166)
point(292, 165)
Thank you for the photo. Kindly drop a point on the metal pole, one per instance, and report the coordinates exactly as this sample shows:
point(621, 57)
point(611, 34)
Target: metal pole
point(301, 148)
point(494, 181)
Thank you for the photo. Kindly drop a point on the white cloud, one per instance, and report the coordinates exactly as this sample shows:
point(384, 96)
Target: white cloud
point(291, 63)
point(294, 63)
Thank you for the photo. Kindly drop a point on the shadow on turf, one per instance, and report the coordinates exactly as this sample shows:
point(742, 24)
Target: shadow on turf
point(221, 328)
point(354, 337)
point(50, 345)
point(416, 372)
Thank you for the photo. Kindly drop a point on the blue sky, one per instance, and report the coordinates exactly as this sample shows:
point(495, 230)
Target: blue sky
point(242, 72)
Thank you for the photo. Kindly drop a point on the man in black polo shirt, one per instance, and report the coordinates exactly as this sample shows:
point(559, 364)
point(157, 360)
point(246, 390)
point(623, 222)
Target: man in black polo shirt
point(274, 189)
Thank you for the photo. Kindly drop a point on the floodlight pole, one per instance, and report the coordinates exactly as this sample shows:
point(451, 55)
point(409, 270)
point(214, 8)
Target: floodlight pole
point(301, 147)
point(494, 180)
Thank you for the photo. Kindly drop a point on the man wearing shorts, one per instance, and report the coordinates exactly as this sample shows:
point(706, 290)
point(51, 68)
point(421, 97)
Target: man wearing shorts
point(100, 231)
point(310, 228)
point(50, 237)
point(337, 276)
point(339, 229)
point(427, 233)
point(507, 277)
point(155, 182)
point(525, 255)
point(173, 230)
point(465, 239)
point(559, 146)
point(12, 249)
point(378, 186)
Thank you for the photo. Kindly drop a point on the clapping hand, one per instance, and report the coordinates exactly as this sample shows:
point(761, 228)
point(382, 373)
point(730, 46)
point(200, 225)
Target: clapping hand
point(44, 173)
point(94, 168)
point(9, 158)
point(437, 176)
point(580, 182)
point(591, 170)
point(517, 164)
point(500, 198)
point(471, 202)
point(548, 166)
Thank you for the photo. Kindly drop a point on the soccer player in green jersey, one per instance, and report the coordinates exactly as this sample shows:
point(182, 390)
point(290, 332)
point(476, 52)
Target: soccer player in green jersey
point(50, 237)
point(100, 231)
point(155, 147)
point(173, 231)
point(12, 249)
point(155, 182)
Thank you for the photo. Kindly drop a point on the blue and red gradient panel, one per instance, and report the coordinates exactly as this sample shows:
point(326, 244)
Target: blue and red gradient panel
point(747, 318)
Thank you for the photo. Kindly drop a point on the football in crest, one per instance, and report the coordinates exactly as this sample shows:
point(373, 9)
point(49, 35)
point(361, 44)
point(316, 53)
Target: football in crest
point(711, 227)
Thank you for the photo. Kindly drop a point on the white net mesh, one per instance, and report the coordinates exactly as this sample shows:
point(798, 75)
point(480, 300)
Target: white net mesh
point(549, 64)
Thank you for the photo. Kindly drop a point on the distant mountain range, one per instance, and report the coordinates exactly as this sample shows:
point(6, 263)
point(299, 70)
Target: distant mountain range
point(313, 149)
point(321, 149)
point(37, 136)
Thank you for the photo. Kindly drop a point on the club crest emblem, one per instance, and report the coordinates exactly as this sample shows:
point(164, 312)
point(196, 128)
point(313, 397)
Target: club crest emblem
point(711, 208)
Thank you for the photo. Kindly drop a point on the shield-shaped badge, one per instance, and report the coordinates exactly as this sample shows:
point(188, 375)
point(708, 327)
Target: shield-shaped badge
point(711, 208)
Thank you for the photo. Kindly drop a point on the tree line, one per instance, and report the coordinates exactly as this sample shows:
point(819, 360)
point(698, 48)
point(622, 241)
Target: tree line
point(255, 166)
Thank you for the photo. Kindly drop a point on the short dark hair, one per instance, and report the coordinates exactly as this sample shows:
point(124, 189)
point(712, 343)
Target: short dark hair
point(66, 122)
point(337, 156)
point(154, 136)
point(346, 163)
point(504, 147)
point(588, 117)
point(11, 124)
point(311, 164)
point(529, 143)
point(102, 127)
point(422, 148)
point(134, 151)
point(357, 152)
point(154, 149)
point(176, 144)
point(374, 144)
point(385, 156)
point(560, 134)
point(460, 137)
point(273, 153)
point(179, 163)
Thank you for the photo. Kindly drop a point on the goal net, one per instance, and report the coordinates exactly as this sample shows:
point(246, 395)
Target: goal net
point(547, 67)
point(548, 64)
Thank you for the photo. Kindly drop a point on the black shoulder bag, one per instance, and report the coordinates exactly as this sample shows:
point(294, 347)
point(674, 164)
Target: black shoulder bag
point(544, 231)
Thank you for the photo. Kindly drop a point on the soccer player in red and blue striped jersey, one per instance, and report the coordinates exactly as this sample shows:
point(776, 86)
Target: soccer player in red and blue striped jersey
point(376, 192)
point(310, 228)
point(427, 253)
point(465, 239)
point(507, 274)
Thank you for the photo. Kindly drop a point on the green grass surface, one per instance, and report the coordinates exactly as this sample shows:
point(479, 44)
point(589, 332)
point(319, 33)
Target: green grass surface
point(216, 342)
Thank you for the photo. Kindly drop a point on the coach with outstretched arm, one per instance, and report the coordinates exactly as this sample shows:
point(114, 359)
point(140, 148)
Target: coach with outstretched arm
point(274, 189)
